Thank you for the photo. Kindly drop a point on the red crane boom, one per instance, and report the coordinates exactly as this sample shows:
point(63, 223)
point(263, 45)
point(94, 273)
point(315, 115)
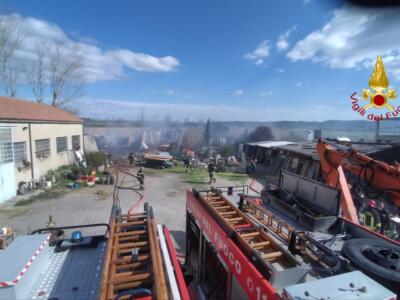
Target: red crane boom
point(378, 175)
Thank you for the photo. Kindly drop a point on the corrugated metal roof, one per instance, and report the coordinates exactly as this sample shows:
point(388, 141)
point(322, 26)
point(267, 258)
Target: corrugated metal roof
point(309, 148)
point(304, 148)
point(270, 144)
point(12, 109)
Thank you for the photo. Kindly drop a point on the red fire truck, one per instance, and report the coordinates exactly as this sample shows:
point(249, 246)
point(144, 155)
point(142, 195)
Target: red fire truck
point(253, 251)
point(291, 244)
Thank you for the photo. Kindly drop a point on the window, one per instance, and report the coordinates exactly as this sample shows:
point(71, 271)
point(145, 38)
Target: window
point(42, 148)
point(76, 140)
point(6, 154)
point(193, 246)
point(214, 275)
point(237, 291)
point(20, 152)
point(62, 144)
point(295, 161)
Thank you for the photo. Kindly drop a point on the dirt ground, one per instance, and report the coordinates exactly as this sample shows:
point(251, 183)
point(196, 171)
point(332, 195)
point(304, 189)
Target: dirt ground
point(165, 192)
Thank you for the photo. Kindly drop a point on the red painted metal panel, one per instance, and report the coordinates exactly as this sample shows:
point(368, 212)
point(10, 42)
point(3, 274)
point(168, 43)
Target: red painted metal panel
point(253, 283)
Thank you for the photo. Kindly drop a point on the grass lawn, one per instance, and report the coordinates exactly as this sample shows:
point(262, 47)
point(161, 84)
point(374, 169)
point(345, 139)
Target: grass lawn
point(196, 177)
point(235, 177)
point(199, 177)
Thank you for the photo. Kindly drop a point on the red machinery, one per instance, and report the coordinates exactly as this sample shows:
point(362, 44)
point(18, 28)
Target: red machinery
point(378, 175)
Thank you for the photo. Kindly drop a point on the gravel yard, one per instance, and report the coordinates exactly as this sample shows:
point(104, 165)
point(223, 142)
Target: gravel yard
point(165, 192)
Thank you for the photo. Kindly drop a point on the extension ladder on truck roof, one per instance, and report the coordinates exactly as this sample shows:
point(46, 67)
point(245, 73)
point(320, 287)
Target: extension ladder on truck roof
point(250, 253)
point(255, 259)
point(141, 261)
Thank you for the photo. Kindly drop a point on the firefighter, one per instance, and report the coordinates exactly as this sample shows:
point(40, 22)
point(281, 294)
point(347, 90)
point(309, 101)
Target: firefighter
point(248, 166)
point(384, 217)
point(369, 216)
point(188, 164)
point(140, 177)
point(211, 172)
point(131, 158)
point(251, 168)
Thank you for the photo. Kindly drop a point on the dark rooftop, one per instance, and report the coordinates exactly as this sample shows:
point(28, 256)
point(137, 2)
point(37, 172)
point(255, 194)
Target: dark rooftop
point(309, 148)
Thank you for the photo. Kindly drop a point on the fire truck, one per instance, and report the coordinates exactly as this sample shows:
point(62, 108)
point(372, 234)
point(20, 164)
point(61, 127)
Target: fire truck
point(130, 257)
point(288, 243)
point(272, 249)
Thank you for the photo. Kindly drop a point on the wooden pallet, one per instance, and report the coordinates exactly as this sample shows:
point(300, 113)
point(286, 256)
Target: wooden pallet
point(133, 258)
point(253, 238)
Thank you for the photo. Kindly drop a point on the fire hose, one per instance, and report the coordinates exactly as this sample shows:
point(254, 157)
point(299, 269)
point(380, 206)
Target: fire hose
point(253, 181)
point(125, 169)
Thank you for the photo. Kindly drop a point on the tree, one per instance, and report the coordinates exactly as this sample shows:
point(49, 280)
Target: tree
point(65, 80)
point(228, 150)
point(10, 78)
point(96, 159)
point(36, 76)
point(10, 39)
point(207, 137)
point(261, 133)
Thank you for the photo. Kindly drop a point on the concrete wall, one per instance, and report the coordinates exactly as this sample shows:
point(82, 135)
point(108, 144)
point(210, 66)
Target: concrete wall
point(20, 133)
point(52, 131)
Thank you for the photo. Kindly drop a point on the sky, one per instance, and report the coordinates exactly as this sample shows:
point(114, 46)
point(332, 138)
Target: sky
point(224, 60)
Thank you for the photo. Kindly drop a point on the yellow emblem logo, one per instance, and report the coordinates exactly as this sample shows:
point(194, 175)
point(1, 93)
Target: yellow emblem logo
point(379, 95)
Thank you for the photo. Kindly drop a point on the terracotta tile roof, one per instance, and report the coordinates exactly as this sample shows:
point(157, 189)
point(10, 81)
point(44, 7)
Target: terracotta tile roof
point(17, 109)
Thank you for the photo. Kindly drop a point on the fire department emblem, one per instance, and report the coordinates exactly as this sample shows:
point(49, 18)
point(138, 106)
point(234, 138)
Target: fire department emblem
point(378, 95)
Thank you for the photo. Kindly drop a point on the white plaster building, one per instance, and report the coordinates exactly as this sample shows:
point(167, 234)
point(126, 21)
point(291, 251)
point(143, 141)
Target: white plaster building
point(34, 138)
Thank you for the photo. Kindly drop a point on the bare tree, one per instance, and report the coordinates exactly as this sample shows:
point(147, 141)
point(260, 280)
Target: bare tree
point(65, 68)
point(36, 75)
point(10, 39)
point(10, 78)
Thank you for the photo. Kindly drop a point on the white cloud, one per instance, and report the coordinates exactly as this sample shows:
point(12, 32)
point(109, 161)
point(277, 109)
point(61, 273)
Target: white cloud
point(99, 64)
point(239, 93)
point(265, 94)
point(283, 43)
point(353, 38)
point(144, 62)
point(299, 84)
point(260, 53)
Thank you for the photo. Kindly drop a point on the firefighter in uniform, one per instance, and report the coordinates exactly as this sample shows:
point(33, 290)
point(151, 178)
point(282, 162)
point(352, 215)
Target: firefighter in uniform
point(211, 172)
point(188, 164)
point(140, 177)
point(131, 158)
point(369, 216)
